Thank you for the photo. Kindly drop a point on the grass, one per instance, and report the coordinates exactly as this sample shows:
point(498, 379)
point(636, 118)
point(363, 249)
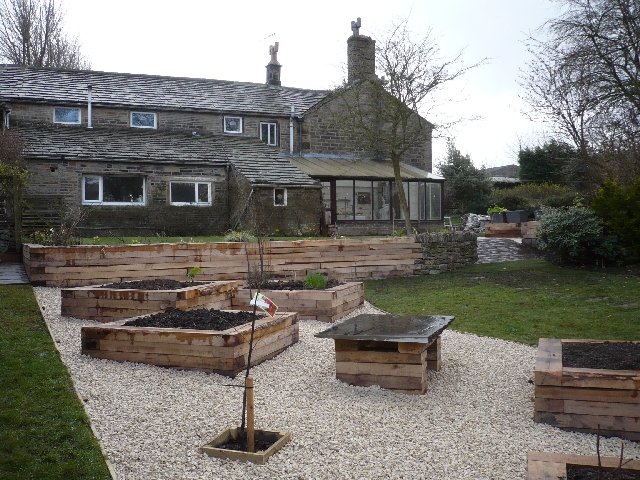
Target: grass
point(520, 301)
point(44, 431)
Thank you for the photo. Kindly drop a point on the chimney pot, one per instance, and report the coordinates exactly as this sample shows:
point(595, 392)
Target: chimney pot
point(273, 67)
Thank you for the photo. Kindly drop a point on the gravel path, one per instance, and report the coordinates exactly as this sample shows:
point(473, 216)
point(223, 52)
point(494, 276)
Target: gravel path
point(475, 421)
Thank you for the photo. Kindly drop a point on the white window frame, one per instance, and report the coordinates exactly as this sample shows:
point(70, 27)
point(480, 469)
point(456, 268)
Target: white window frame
point(284, 204)
point(270, 141)
point(224, 124)
point(155, 120)
point(68, 123)
point(101, 193)
point(195, 203)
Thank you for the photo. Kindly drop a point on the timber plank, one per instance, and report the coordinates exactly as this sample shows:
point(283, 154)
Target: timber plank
point(588, 394)
point(593, 422)
point(389, 382)
point(382, 369)
point(548, 367)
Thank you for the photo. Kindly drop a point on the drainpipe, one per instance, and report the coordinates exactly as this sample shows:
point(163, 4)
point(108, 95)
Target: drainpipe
point(291, 131)
point(89, 106)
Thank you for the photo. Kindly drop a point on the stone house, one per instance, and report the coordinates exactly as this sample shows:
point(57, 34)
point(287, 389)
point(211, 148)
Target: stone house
point(182, 156)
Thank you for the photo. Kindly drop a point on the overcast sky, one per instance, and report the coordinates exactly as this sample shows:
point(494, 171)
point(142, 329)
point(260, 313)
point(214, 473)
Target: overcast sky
point(230, 41)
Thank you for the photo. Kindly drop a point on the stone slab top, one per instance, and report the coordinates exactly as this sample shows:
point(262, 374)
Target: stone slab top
point(389, 328)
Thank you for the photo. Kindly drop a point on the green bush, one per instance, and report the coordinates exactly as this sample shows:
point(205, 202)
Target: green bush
point(574, 235)
point(515, 202)
point(532, 196)
point(315, 280)
point(619, 209)
point(239, 236)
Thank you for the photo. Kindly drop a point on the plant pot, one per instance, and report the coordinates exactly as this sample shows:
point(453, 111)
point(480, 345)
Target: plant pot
point(260, 457)
point(498, 218)
point(541, 465)
point(516, 216)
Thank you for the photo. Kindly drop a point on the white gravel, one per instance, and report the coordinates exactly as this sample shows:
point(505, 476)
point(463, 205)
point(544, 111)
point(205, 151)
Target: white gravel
point(475, 421)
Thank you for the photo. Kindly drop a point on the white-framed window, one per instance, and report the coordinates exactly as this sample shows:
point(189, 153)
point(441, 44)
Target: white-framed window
point(280, 197)
point(112, 190)
point(232, 124)
point(65, 115)
point(268, 133)
point(190, 193)
point(143, 120)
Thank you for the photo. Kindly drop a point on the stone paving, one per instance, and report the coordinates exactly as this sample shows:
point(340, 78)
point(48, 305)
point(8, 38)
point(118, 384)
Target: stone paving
point(489, 250)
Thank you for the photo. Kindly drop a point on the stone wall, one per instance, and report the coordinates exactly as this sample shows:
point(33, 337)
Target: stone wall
point(444, 252)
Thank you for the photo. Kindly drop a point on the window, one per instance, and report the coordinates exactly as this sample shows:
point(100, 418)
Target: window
point(190, 193)
point(268, 133)
point(143, 120)
point(110, 190)
point(67, 115)
point(280, 197)
point(232, 124)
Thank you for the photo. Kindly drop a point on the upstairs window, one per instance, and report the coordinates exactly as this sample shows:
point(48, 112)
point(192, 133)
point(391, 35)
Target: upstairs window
point(190, 193)
point(111, 190)
point(280, 197)
point(143, 120)
point(69, 116)
point(232, 124)
point(268, 133)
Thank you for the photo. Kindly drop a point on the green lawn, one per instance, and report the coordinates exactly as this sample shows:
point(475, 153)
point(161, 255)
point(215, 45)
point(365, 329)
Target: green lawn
point(520, 301)
point(44, 432)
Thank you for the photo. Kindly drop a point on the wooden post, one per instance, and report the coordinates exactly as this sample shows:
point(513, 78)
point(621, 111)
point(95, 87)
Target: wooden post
point(250, 432)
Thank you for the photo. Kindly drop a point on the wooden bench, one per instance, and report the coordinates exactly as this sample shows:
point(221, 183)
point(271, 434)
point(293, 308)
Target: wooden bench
point(391, 351)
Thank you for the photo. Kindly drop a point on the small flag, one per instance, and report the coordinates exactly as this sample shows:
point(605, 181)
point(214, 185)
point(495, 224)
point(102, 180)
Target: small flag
point(264, 303)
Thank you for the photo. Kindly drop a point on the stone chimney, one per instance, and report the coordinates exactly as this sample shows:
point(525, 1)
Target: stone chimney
point(361, 55)
point(273, 67)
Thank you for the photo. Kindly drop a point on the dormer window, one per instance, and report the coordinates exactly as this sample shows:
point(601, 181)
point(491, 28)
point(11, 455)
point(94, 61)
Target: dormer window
point(143, 120)
point(68, 116)
point(232, 124)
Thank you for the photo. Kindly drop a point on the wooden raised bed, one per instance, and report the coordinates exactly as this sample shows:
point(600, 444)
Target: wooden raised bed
point(108, 304)
point(326, 305)
point(260, 457)
point(224, 352)
point(547, 466)
point(585, 399)
point(503, 230)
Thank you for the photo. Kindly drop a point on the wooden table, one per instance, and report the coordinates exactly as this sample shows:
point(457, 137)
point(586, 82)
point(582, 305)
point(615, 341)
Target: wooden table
point(392, 351)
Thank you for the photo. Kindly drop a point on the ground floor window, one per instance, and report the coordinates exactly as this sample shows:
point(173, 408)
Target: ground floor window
point(268, 133)
point(280, 197)
point(112, 190)
point(190, 193)
point(379, 200)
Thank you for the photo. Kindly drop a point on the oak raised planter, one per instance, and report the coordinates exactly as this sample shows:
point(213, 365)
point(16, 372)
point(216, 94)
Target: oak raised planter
point(547, 466)
point(585, 399)
point(224, 352)
point(328, 305)
point(108, 304)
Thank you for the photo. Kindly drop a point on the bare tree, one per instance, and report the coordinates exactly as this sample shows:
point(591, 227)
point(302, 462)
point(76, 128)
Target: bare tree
point(584, 81)
point(32, 34)
point(385, 116)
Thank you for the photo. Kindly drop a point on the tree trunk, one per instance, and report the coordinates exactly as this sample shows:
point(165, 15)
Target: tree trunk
point(403, 200)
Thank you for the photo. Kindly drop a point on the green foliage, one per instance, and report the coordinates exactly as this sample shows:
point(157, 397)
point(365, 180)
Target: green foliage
point(575, 235)
point(619, 209)
point(315, 280)
point(44, 431)
point(533, 196)
point(546, 163)
point(191, 274)
point(239, 236)
point(520, 301)
point(495, 208)
point(467, 188)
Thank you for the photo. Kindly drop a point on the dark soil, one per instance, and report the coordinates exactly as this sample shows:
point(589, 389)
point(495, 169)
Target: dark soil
point(200, 319)
point(296, 285)
point(575, 472)
point(262, 441)
point(153, 284)
point(607, 355)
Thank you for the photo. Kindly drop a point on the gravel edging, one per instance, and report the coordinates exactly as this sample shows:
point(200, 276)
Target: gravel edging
point(475, 421)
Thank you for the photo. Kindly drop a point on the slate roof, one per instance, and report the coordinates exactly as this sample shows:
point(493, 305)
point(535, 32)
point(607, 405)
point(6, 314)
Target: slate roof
point(260, 164)
point(151, 92)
